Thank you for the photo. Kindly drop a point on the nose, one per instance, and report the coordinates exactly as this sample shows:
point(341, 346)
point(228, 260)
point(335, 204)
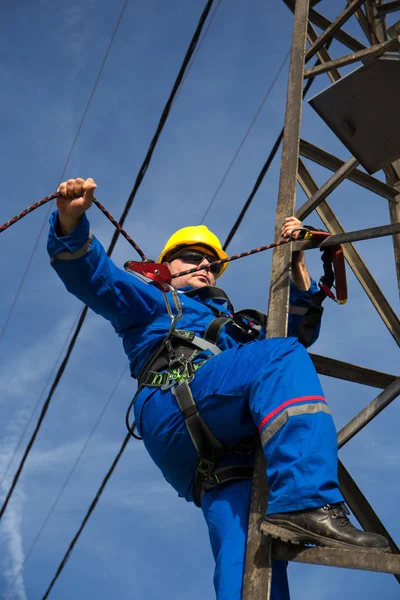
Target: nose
point(205, 262)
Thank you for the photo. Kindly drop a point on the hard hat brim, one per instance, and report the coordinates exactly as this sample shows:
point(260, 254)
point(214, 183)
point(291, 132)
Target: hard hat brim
point(219, 253)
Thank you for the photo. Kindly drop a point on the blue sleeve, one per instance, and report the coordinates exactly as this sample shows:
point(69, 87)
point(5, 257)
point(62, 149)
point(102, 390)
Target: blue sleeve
point(301, 308)
point(89, 274)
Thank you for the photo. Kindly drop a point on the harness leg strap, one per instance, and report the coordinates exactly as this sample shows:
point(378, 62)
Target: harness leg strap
point(207, 446)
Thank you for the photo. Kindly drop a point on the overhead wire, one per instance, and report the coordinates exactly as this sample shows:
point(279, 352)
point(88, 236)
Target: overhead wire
point(87, 516)
point(108, 475)
point(67, 480)
point(64, 168)
point(264, 169)
point(93, 504)
point(80, 320)
point(162, 121)
point(139, 178)
point(199, 46)
point(246, 135)
point(268, 161)
point(66, 163)
point(50, 377)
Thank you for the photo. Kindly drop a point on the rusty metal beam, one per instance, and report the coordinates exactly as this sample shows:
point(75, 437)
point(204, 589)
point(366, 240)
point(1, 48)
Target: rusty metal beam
point(348, 559)
point(323, 54)
point(365, 26)
point(332, 367)
point(258, 570)
point(355, 261)
point(388, 7)
point(368, 413)
point(333, 27)
point(394, 212)
point(327, 188)
point(368, 53)
point(350, 236)
point(323, 23)
point(331, 162)
point(393, 172)
point(361, 508)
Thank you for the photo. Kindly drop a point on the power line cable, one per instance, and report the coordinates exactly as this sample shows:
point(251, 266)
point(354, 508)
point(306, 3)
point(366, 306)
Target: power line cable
point(263, 172)
point(67, 479)
point(50, 377)
point(140, 176)
point(199, 45)
point(87, 516)
point(237, 152)
point(35, 246)
point(125, 442)
point(163, 119)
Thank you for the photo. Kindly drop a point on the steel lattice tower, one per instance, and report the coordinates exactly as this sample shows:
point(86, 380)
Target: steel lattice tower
point(380, 150)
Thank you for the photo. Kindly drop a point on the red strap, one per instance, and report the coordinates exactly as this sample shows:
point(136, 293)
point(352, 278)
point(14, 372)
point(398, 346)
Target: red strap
point(151, 272)
point(339, 267)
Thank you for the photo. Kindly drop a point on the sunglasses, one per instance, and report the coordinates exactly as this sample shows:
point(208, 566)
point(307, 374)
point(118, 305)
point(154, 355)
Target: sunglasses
point(195, 257)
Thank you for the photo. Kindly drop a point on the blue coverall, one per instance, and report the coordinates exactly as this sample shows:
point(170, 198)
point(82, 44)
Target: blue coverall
point(265, 385)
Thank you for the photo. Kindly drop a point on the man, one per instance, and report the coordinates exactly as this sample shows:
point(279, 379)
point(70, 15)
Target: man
point(206, 388)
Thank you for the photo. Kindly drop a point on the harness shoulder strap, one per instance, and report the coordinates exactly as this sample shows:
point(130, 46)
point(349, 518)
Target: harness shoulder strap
point(213, 330)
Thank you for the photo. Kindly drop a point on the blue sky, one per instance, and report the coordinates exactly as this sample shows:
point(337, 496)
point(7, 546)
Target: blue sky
point(143, 541)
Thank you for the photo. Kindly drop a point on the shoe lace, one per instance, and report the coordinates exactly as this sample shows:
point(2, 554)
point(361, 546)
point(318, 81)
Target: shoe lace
point(339, 511)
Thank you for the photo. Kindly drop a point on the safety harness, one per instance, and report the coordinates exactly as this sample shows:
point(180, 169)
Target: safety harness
point(182, 353)
point(173, 367)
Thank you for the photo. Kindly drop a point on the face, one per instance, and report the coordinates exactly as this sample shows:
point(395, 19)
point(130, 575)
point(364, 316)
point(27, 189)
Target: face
point(187, 259)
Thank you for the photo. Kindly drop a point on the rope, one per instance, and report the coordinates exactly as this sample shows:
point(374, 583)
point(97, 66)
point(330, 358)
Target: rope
point(71, 150)
point(163, 119)
point(233, 257)
point(139, 179)
point(109, 216)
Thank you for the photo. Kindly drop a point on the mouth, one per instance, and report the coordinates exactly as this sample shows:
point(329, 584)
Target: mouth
point(203, 277)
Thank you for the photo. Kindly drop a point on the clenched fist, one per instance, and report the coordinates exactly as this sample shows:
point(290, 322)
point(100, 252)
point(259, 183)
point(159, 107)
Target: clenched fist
point(76, 197)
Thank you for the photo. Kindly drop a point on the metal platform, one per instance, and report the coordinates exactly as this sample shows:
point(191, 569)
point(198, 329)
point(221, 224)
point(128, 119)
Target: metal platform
point(362, 109)
point(330, 557)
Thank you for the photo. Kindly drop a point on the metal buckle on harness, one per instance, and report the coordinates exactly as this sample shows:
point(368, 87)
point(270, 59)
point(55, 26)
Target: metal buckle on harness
point(205, 467)
point(183, 374)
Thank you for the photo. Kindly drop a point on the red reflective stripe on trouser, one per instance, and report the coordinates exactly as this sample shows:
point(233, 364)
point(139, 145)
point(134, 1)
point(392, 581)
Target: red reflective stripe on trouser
point(291, 411)
point(272, 414)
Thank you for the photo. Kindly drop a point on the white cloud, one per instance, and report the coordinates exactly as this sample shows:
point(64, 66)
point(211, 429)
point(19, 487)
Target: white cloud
point(11, 540)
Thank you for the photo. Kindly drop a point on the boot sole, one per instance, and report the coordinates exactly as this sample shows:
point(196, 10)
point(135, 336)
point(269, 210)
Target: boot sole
point(300, 536)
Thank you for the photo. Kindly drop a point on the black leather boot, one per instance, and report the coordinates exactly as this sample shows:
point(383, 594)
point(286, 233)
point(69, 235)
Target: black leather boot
point(325, 526)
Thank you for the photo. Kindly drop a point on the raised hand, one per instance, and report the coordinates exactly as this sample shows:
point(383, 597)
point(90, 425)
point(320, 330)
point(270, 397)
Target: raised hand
point(76, 197)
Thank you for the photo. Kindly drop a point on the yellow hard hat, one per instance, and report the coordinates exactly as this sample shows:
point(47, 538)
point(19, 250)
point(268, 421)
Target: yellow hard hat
point(196, 235)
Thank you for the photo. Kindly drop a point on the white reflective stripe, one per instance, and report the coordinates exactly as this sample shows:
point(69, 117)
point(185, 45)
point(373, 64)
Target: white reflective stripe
point(204, 345)
point(292, 411)
point(77, 254)
point(297, 310)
